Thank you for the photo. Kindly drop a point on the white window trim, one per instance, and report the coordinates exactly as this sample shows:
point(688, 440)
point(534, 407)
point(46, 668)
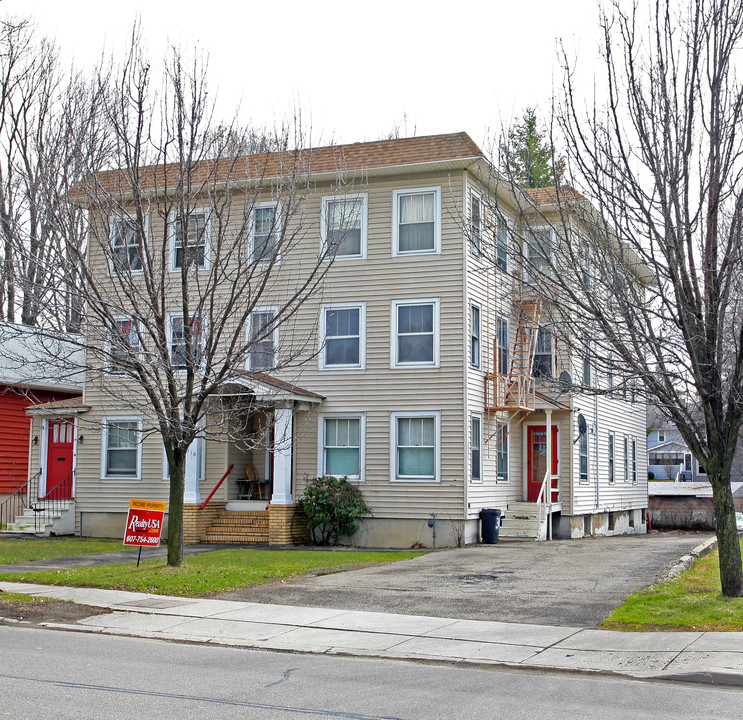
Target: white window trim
point(634, 468)
point(395, 304)
point(364, 197)
point(396, 194)
point(551, 260)
point(501, 220)
point(104, 446)
point(504, 320)
point(475, 243)
point(121, 217)
point(553, 353)
point(279, 227)
point(110, 369)
point(611, 457)
point(207, 238)
point(172, 316)
point(506, 439)
point(478, 363)
point(361, 417)
point(477, 481)
point(436, 414)
point(361, 307)
point(626, 466)
point(275, 337)
point(584, 438)
point(661, 439)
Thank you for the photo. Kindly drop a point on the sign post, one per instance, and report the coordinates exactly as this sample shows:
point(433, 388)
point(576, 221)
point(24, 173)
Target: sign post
point(144, 523)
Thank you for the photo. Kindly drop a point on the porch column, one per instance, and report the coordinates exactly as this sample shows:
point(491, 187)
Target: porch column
point(282, 456)
point(548, 489)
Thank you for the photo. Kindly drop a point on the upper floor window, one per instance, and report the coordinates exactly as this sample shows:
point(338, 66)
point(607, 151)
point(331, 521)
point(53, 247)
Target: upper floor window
point(123, 345)
point(544, 355)
point(501, 244)
point(475, 224)
point(121, 448)
point(501, 337)
point(344, 225)
point(416, 221)
point(126, 251)
point(191, 236)
point(661, 435)
point(415, 333)
point(180, 355)
point(587, 368)
point(263, 339)
point(343, 336)
point(265, 232)
point(538, 251)
point(475, 335)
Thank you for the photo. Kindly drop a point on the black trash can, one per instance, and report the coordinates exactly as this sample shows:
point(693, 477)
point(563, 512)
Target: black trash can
point(490, 522)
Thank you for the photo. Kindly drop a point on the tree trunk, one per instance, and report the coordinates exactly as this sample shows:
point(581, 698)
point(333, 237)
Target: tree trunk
point(731, 569)
point(175, 509)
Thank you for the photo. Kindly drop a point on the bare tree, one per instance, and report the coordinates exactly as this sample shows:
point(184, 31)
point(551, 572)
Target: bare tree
point(188, 239)
point(649, 269)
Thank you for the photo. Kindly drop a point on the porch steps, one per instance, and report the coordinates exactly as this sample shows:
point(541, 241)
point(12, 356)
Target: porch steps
point(521, 522)
point(46, 519)
point(239, 527)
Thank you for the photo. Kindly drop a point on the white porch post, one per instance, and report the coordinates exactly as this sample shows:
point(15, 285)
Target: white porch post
point(282, 456)
point(548, 489)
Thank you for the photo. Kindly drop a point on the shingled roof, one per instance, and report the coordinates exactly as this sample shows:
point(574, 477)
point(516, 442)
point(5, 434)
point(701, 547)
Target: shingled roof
point(356, 157)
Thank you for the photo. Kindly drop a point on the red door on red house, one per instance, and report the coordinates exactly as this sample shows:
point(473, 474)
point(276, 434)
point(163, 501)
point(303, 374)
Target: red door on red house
point(59, 459)
point(537, 460)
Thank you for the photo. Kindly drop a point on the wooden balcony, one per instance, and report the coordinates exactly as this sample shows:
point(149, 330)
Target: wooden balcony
point(509, 393)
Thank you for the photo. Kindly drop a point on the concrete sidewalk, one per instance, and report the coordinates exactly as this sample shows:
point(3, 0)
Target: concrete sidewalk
point(713, 657)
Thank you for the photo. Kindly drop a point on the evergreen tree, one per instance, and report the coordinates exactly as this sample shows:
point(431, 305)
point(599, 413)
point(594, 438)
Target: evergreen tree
point(528, 158)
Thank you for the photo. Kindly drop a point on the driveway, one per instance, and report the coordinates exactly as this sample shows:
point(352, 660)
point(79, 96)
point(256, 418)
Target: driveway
point(563, 582)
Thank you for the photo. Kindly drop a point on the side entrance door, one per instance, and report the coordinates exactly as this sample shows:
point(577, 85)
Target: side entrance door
point(537, 460)
point(59, 458)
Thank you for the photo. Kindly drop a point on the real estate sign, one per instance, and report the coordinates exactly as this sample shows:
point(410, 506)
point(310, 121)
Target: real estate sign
point(144, 523)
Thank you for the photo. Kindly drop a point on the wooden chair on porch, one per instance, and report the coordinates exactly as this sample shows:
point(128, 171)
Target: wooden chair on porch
point(252, 486)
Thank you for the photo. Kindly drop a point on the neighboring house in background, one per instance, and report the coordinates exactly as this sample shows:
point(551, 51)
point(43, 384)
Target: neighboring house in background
point(687, 506)
point(433, 385)
point(33, 370)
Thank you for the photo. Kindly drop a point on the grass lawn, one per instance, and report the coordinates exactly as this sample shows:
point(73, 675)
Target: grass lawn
point(13, 550)
point(210, 572)
point(692, 601)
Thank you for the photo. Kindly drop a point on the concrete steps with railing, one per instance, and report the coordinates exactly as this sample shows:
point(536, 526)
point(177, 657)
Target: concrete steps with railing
point(45, 517)
point(238, 527)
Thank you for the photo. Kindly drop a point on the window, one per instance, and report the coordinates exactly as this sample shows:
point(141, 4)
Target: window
point(610, 375)
point(502, 453)
point(475, 224)
point(193, 234)
point(343, 336)
point(673, 457)
point(538, 250)
point(611, 457)
point(544, 360)
point(634, 461)
point(265, 232)
point(126, 252)
point(583, 454)
point(626, 458)
point(342, 446)
point(123, 345)
point(416, 221)
point(344, 223)
point(701, 470)
point(501, 244)
point(475, 336)
point(501, 336)
point(263, 340)
point(661, 435)
point(476, 448)
point(586, 363)
point(416, 445)
point(179, 355)
point(415, 333)
point(121, 447)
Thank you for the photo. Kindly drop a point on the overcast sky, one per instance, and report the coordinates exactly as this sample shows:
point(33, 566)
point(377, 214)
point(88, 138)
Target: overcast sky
point(355, 69)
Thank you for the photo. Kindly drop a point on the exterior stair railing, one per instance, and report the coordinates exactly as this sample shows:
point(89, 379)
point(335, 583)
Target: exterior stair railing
point(51, 505)
point(17, 503)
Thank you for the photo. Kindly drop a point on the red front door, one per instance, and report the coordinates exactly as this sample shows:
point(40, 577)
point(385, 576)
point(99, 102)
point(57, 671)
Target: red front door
point(59, 459)
point(537, 460)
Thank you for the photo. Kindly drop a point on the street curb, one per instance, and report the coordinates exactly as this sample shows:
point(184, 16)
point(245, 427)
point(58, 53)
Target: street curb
point(686, 561)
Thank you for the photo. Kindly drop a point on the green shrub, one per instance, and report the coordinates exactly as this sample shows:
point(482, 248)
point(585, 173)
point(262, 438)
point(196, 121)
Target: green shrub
point(333, 507)
point(651, 475)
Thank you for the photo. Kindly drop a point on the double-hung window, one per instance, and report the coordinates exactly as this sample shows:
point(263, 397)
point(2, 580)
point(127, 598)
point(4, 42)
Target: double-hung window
point(634, 461)
point(583, 456)
point(587, 369)
point(501, 244)
point(475, 224)
point(182, 353)
point(190, 240)
point(265, 232)
point(121, 447)
point(626, 458)
point(126, 255)
point(475, 335)
point(538, 247)
point(344, 223)
point(544, 355)
point(501, 454)
point(476, 448)
point(416, 221)
point(415, 333)
point(123, 346)
point(611, 457)
point(343, 336)
point(342, 446)
point(501, 336)
point(263, 339)
point(416, 446)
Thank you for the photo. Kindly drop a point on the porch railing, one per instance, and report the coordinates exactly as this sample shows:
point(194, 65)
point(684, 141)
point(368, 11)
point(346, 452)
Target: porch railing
point(542, 509)
point(216, 487)
point(52, 504)
point(17, 503)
